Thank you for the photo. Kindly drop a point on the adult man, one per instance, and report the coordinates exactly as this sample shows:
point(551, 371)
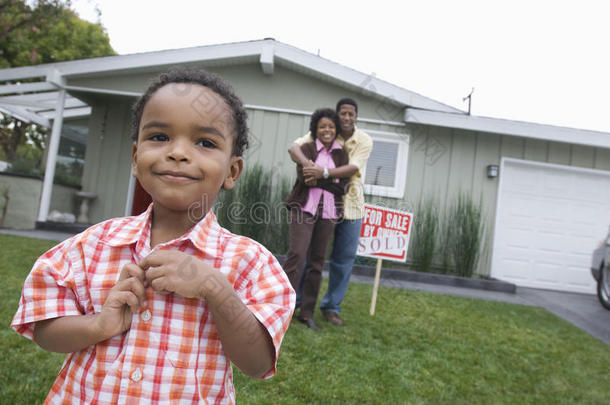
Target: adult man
point(347, 232)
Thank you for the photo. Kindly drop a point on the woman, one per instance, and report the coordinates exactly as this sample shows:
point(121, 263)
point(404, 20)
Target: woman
point(314, 211)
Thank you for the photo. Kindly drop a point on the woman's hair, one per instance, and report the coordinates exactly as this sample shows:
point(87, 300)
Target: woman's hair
point(206, 79)
point(318, 115)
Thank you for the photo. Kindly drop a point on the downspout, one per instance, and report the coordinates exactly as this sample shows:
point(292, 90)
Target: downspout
point(49, 173)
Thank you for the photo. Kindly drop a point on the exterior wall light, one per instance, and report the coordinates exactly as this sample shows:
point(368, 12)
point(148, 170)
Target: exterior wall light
point(492, 171)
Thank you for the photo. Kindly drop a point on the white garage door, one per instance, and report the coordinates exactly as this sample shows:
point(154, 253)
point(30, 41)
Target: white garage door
point(549, 219)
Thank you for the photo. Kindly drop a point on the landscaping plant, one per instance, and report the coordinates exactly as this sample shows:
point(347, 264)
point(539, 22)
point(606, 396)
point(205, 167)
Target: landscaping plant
point(255, 208)
point(425, 233)
point(463, 235)
point(5, 198)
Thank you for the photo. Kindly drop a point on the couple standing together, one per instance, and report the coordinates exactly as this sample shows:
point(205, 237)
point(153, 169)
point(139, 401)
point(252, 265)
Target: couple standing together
point(327, 196)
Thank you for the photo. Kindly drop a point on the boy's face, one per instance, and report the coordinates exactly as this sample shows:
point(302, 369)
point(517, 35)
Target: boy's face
point(183, 155)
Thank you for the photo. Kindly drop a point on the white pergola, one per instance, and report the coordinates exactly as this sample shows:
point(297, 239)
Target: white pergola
point(45, 104)
point(39, 108)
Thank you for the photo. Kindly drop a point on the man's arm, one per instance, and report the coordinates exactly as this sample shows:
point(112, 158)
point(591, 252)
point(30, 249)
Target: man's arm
point(357, 161)
point(297, 155)
point(295, 152)
point(342, 172)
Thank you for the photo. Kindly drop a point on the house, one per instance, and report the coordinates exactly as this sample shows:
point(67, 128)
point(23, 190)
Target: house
point(545, 190)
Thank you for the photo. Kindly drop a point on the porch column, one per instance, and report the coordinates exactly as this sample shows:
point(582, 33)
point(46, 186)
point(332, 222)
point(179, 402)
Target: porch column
point(49, 173)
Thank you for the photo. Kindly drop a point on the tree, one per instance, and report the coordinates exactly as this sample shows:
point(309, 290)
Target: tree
point(49, 31)
point(42, 31)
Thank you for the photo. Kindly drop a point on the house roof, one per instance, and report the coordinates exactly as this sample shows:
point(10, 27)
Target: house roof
point(509, 127)
point(418, 109)
point(267, 52)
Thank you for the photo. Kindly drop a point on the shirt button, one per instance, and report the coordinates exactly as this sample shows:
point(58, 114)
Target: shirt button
point(136, 375)
point(146, 315)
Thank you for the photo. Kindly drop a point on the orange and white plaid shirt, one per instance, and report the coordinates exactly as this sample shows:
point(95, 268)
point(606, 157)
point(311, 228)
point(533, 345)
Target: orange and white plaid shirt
point(172, 353)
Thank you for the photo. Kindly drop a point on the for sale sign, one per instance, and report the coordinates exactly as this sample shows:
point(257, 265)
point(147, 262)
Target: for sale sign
point(384, 233)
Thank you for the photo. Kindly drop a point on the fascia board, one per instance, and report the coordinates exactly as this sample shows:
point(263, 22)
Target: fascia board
point(510, 127)
point(136, 61)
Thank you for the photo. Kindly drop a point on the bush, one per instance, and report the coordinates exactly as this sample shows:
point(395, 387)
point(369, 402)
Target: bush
point(69, 173)
point(425, 233)
point(27, 160)
point(255, 208)
point(463, 236)
point(5, 197)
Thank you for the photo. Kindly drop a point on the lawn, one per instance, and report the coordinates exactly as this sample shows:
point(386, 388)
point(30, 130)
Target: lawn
point(419, 348)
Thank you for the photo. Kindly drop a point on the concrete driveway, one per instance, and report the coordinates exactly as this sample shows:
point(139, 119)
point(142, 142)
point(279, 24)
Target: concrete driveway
point(582, 310)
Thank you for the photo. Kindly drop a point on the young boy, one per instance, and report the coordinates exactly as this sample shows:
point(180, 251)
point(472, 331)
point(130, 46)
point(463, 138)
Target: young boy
point(152, 309)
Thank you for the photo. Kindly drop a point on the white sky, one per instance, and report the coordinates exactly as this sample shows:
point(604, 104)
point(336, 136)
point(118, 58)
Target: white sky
point(538, 61)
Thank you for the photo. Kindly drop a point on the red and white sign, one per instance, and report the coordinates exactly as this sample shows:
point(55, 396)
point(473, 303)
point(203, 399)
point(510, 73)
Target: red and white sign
point(384, 233)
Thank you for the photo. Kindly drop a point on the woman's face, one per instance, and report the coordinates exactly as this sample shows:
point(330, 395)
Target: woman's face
point(326, 131)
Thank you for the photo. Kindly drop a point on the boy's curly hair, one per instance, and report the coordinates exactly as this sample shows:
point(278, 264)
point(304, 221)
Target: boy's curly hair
point(318, 115)
point(204, 78)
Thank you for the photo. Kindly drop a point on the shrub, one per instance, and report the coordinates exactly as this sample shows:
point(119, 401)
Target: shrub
point(4, 195)
point(27, 160)
point(463, 235)
point(425, 233)
point(255, 208)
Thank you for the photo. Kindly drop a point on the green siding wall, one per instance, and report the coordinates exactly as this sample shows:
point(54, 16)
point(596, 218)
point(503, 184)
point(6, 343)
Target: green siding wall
point(108, 158)
point(441, 161)
point(461, 166)
point(286, 89)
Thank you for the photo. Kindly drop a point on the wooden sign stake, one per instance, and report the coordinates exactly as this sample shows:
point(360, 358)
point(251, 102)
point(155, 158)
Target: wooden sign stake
point(376, 286)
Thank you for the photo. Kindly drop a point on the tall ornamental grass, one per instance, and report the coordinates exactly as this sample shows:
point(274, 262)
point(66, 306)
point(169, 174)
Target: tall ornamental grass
point(425, 233)
point(255, 208)
point(463, 236)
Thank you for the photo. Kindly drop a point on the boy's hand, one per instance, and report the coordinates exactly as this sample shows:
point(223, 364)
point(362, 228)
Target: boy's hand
point(172, 271)
point(125, 298)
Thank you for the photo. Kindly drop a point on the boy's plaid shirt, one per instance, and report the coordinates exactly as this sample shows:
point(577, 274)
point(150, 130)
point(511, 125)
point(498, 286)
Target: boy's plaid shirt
point(172, 352)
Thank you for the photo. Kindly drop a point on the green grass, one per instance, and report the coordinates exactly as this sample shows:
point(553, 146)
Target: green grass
point(419, 348)
point(26, 371)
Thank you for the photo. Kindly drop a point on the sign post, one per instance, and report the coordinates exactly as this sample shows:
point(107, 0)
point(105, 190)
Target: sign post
point(376, 285)
point(384, 235)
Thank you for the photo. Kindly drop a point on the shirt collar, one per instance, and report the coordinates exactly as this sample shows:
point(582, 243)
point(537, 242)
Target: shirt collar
point(129, 230)
point(354, 138)
point(333, 146)
point(137, 230)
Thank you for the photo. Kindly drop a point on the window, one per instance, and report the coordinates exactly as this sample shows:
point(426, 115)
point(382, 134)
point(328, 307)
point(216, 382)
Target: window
point(386, 170)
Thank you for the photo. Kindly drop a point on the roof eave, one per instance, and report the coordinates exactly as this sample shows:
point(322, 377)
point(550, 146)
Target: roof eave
point(509, 127)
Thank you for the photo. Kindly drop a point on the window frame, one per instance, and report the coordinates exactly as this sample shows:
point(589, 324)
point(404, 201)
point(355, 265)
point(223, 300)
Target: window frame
point(400, 174)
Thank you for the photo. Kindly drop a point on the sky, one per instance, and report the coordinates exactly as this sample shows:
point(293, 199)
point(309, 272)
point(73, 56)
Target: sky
point(538, 61)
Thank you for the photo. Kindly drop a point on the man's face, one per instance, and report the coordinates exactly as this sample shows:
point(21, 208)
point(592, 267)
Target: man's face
point(183, 155)
point(347, 118)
